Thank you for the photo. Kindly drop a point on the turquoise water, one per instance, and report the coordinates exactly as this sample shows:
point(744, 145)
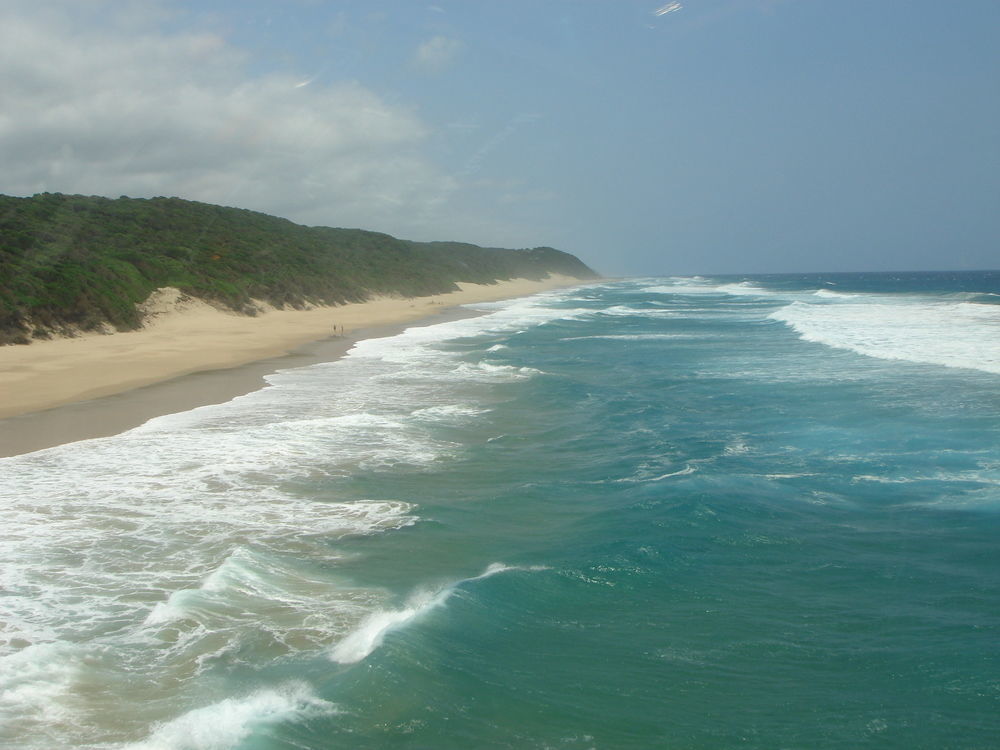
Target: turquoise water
point(657, 513)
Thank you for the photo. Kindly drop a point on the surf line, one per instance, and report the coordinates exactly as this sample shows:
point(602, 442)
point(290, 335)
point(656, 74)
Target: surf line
point(372, 630)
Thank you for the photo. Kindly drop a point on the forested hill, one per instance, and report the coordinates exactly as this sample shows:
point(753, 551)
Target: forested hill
point(75, 262)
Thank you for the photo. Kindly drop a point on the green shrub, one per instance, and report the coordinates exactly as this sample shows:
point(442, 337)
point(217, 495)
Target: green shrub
point(72, 260)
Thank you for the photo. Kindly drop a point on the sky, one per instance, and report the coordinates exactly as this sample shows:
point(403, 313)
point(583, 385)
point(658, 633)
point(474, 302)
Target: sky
point(648, 138)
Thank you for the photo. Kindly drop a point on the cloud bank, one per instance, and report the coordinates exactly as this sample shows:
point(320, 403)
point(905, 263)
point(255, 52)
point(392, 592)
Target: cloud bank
point(99, 100)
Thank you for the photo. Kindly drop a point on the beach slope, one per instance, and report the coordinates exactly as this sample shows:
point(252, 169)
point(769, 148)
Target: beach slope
point(191, 336)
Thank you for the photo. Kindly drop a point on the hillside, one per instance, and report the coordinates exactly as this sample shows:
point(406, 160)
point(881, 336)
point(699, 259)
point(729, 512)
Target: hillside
point(71, 262)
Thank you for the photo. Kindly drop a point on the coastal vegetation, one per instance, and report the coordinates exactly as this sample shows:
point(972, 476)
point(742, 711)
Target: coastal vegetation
point(73, 262)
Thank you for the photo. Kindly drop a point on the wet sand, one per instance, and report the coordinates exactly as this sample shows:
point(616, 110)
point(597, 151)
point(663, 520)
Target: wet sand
point(76, 389)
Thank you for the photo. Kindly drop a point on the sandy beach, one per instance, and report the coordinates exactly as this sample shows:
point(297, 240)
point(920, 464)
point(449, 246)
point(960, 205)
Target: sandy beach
point(190, 354)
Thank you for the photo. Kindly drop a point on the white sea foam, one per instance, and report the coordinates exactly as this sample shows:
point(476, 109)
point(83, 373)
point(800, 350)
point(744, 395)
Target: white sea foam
point(987, 477)
point(485, 371)
point(448, 414)
point(35, 684)
point(884, 480)
point(373, 629)
point(830, 294)
point(645, 474)
point(225, 724)
point(635, 337)
point(696, 285)
point(256, 597)
point(681, 289)
point(179, 544)
point(736, 448)
point(746, 288)
point(963, 334)
point(370, 633)
point(624, 311)
point(680, 473)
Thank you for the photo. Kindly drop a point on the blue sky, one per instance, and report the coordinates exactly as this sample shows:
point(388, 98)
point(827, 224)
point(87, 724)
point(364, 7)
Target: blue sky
point(733, 136)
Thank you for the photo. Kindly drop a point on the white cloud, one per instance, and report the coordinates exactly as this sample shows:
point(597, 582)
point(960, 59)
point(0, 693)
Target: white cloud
point(437, 53)
point(668, 8)
point(104, 103)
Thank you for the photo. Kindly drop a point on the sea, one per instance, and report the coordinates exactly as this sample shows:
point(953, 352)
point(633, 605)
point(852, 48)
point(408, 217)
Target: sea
point(679, 512)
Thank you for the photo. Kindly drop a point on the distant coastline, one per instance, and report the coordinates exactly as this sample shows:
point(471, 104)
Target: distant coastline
point(74, 263)
point(103, 296)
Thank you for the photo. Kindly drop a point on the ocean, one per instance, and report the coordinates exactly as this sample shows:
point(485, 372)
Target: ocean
point(707, 512)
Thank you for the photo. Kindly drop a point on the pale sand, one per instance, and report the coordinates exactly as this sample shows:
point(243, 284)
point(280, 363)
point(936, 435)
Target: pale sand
point(191, 338)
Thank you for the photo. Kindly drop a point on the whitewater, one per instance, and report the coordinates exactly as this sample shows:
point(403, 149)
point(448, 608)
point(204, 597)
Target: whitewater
point(662, 512)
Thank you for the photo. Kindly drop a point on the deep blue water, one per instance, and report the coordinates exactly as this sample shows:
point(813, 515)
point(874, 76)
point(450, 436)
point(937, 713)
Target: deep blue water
point(656, 513)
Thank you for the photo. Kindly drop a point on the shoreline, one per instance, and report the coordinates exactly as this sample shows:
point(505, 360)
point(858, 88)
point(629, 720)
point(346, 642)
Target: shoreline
point(75, 389)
